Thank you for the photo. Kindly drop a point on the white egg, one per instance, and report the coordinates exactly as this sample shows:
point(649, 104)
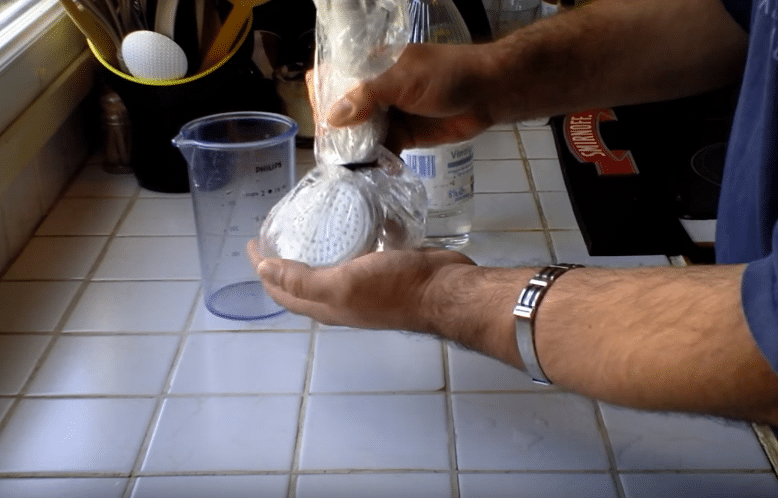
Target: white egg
point(153, 56)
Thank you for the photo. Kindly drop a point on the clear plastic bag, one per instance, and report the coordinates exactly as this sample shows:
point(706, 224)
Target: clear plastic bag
point(356, 40)
point(335, 214)
point(340, 211)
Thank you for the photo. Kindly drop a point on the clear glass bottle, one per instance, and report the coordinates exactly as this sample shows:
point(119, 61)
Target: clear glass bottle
point(549, 7)
point(446, 171)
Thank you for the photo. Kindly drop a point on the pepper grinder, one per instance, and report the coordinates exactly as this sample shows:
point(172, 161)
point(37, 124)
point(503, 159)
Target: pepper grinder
point(116, 133)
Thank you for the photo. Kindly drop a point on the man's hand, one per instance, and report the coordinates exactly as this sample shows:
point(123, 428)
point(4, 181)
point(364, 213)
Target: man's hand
point(378, 290)
point(435, 94)
point(428, 290)
point(587, 58)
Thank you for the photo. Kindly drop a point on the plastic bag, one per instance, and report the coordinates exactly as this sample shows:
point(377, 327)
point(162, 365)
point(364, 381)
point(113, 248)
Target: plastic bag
point(335, 215)
point(335, 212)
point(356, 40)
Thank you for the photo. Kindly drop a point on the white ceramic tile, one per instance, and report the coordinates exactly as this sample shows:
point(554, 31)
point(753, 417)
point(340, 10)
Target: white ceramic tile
point(56, 258)
point(267, 362)
point(505, 212)
point(658, 441)
point(570, 247)
point(547, 175)
point(496, 145)
point(133, 307)
point(374, 485)
point(340, 328)
point(150, 258)
point(536, 486)
point(500, 176)
point(76, 216)
point(5, 405)
point(558, 210)
point(18, 356)
point(93, 181)
point(471, 371)
point(375, 432)
point(235, 486)
point(538, 144)
point(106, 365)
point(508, 249)
point(700, 485)
point(700, 231)
point(529, 431)
point(224, 433)
point(205, 320)
point(74, 435)
point(501, 127)
point(370, 360)
point(540, 123)
point(69, 487)
point(21, 206)
point(145, 193)
point(34, 306)
point(160, 216)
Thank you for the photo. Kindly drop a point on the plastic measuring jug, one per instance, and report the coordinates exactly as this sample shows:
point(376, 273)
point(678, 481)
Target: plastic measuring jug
point(240, 164)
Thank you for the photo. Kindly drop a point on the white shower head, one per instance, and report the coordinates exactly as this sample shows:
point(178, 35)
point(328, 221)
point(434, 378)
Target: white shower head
point(333, 223)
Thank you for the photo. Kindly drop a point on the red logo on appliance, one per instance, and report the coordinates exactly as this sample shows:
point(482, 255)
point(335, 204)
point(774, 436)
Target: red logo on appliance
point(582, 133)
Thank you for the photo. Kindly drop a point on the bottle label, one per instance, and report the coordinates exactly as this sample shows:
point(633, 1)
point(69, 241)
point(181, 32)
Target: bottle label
point(548, 9)
point(446, 173)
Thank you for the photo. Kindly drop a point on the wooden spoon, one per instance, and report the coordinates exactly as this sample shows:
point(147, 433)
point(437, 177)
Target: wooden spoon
point(241, 9)
point(98, 34)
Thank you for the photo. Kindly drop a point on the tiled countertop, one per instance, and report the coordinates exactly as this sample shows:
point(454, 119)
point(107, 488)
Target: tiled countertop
point(116, 382)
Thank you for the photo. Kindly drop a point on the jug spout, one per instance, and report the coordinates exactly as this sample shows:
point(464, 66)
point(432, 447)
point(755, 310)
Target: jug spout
point(185, 145)
point(180, 141)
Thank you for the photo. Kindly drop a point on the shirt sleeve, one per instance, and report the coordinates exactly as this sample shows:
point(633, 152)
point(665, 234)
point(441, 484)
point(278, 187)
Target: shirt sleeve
point(759, 293)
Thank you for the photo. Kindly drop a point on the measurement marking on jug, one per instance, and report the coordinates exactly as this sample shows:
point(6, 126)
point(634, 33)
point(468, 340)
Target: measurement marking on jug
point(270, 191)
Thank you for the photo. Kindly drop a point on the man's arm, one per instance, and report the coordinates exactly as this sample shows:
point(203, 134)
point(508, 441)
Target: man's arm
point(652, 338)
point(611, 52)
point(614, 52)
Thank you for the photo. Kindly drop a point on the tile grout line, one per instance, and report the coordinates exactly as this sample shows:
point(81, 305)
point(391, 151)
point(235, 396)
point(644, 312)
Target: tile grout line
point(376, 471)
point(291, 491)
point(56, 333)
point(554, 258)
point(535, 195)
point(161, 398)
point(605, 437)
point(88, 279)
point(769, 442)
point(282, 394)
point(452, 434)
point(550, 245)
point(156, 415)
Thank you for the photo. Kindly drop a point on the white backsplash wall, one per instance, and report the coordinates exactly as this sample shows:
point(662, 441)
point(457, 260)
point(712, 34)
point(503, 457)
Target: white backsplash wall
point(32, 193)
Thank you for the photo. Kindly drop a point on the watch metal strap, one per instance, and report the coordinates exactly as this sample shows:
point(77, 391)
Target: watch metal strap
point(525, 311)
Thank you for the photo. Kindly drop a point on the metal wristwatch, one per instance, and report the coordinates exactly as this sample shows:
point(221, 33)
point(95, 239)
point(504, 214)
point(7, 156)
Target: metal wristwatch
point(525, 310)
